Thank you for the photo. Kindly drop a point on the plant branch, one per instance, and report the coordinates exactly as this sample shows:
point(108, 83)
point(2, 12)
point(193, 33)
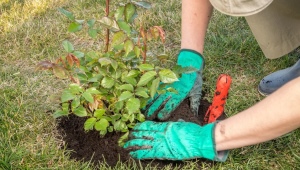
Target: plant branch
point(144, 50)
point(107, 30)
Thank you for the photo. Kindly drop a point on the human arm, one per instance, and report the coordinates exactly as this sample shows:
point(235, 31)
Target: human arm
point(272, 117)
point(195, 19)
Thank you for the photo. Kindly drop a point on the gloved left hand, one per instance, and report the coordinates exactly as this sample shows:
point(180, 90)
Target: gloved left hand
point(189, 85)
point(173, 141)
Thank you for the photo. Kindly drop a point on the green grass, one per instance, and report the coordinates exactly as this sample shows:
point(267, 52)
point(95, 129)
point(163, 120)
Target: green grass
point(32, 30)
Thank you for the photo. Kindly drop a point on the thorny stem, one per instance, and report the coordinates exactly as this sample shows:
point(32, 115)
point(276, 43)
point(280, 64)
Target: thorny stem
point(107, 30)
point(145, 51)
point(144, 36)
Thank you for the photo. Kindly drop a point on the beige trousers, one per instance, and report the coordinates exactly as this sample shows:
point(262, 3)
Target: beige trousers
point(277, 28)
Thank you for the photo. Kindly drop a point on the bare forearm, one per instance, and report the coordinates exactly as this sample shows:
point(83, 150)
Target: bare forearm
point(195, 18)
point(274, 116)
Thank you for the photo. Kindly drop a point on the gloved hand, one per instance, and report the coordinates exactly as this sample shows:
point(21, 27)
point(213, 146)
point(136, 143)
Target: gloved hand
point(189, 85)
point(173, 141)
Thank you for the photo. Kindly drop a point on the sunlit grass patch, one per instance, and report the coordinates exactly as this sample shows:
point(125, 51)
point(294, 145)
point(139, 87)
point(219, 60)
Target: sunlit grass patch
point(16, 13)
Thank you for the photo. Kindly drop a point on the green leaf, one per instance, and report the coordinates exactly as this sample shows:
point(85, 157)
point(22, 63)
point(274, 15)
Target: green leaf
point(167, 76)
point(92, 55)
point(103, 132)
point(140, 117)
point(68, 46)
point(141, 89)
point(74, 27)
point(119, 47)
point(122, 65)
point(60, 72)
point(114, 64)
point(144, 102)
point(59, 113)
point(107, 118)
point(125, 95)
point(79, 21)
point(80, 111)
point(120, 126)
point(162, 57)
point(172, 90)
point(179, 69)
point(132, 105)
point(103, 72)
point(65, 106)
point(128, 87)
point(88, 96)
point(96, 78)
point(128, 46)
point(102, 124)
point(133, 73)
point(116, 74)
point(134, 16)
point(75, 103)
point(118, 38)
point(82, 77)
point(78, 54)
point(104, 61)
point(68, 14)
point(130, 10)
point(137, 51)
point(147, 77)
point(110, 129)
point(91, 23)
point(75, 88)
point(89, 123)
point(109, 23)
point(142, 94)
point(118, 106)
point(131, 118)
point(92, 90)
point(154, 86)
point(124, 26)
point(123, 139)
point(116, 117)
point(99, 113)
point(66, 96)
point(143, 4)
point(119, 13)
point(92, 33)
point(125, 117)
point(117, 125)
point(107, 82)
point(129, 56)
point(130, 80)
point(146, 67)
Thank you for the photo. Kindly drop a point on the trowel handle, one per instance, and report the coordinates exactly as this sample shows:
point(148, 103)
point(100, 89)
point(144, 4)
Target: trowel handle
point(216, 109)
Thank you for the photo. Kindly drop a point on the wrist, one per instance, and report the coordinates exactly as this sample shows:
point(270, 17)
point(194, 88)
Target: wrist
point(208, 144)
point(218, 132)
point(190, 58)
point(220, 137)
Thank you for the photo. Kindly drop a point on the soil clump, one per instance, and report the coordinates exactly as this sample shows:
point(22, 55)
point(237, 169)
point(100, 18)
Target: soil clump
point(88, 146)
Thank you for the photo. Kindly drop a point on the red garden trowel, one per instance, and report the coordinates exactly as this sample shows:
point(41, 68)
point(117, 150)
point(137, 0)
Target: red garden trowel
point(216, 109)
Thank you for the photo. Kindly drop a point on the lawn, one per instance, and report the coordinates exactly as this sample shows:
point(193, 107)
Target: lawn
point(33, 30)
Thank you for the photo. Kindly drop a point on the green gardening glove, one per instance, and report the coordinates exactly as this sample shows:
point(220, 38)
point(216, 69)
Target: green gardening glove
point(189, 85)
point(173, 141)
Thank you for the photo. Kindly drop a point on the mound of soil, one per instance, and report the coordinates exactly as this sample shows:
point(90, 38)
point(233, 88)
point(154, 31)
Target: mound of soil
point(88, 146)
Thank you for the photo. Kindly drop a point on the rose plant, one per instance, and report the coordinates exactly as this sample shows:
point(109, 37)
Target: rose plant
point(110, 86)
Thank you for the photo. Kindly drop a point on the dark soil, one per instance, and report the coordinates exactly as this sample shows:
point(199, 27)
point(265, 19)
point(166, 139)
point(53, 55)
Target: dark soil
point(88, 146)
